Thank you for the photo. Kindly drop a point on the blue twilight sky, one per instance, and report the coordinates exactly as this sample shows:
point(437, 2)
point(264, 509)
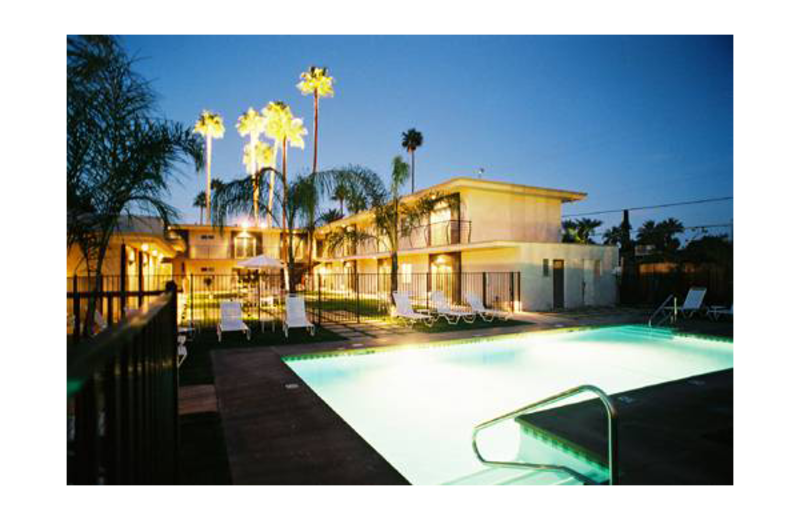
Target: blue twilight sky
point(632, 121)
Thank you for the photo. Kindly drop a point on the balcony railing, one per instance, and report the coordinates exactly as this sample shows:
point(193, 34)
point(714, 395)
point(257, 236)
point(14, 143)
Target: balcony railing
point(444, 233)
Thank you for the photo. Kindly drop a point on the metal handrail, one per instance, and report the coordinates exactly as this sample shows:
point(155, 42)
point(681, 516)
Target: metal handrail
point(611, 412)
point(660, 308)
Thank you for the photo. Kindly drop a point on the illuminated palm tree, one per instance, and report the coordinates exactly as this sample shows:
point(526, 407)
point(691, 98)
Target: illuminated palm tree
point(210, 126)
point(412, 139)
point(251, 124)
point(316, 81)
point(264, 158)
point(284, 128)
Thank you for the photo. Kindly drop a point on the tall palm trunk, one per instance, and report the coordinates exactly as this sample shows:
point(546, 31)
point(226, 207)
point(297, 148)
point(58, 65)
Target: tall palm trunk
point(313, 173)
point(208, 180)
point(316, 129)
point(287, 242)
point(271, 190)
point(201, 215)
point(255, 181)
point(412, 171)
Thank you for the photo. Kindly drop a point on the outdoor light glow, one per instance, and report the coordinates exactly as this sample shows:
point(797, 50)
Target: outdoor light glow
point(245, 224)
point(263, 225)
point(145, 247)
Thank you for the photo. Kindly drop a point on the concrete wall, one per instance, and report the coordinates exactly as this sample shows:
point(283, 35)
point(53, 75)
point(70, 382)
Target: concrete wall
point(537, 289)
point(499, 215)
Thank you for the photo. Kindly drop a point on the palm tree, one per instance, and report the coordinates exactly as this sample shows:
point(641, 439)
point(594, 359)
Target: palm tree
point(251, 124)
point(340, 194)
point(579, 231)
point(332, 215)
point(288, 130)
point(210, 126)
point(121, 152)
point(200, 202)
point(412, 139)
point(316, 81)
point(284, 128)
point(614, 236)
point(662, 235)
point(264, 160)
point(392, 218)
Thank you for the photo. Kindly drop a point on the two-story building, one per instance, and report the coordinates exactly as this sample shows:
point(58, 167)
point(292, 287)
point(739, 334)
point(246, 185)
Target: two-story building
point(491, 226)
point(211, 250)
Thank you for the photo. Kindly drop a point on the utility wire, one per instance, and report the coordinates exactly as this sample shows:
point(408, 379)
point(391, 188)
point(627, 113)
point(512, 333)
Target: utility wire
point(672, 204)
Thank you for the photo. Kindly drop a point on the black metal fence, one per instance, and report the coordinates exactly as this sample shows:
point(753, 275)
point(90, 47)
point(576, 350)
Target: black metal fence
point(115, 295)
point(122, 400)
point(339, 297)
point(353, 297)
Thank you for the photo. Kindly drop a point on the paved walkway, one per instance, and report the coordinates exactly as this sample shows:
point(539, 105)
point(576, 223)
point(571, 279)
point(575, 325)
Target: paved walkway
point(197, 399)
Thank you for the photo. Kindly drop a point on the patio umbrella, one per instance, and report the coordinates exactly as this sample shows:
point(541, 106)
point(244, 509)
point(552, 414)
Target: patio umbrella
point(261, 262)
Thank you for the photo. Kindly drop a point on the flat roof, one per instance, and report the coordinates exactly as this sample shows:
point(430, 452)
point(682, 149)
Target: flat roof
point(480, 184)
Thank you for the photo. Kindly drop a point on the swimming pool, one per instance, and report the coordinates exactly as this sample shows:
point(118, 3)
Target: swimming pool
point(417, 406)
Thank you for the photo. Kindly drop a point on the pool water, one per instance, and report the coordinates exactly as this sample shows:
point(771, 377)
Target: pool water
point(417, 406)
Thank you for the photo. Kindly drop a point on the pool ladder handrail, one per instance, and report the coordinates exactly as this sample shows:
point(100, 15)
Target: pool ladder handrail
point(674, 314)
point(611, 413)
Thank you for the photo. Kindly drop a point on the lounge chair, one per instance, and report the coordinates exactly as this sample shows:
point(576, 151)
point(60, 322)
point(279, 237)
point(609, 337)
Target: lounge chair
point(487, 314)
point(716, 312)
point(405, 312)
point(231, 319)
point(443, 309)
point(296, 315)
point(693, 301)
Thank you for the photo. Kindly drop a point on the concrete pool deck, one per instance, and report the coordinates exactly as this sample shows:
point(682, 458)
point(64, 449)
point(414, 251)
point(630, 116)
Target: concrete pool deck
point(278, 431)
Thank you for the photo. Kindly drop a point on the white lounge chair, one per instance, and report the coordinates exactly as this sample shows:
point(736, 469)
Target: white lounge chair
point(716, 312)
point(405, 312)
point(443, 308)
point(693, 301)
point(296, 315)
point(487, 314)
point(231, 319)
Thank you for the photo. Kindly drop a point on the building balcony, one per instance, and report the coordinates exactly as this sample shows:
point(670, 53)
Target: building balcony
point(445, 233)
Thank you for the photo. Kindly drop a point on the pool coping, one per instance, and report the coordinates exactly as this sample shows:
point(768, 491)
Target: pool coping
point(240, 436)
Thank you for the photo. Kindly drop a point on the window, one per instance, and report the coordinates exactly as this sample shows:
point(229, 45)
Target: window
point(244, 247)
point(597, 269)
point(546, 267)
point(206, 269)
point(206, 237)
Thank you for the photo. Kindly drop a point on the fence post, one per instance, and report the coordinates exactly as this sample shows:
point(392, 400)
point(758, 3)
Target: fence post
point(319, 299)
point(513, 292)
point(76, 309)
point(191, 299)
point(172, 320)
point(358, 297)
point(486, 290)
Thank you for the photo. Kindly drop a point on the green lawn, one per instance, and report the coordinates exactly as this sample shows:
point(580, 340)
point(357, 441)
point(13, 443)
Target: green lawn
point(197, 370)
